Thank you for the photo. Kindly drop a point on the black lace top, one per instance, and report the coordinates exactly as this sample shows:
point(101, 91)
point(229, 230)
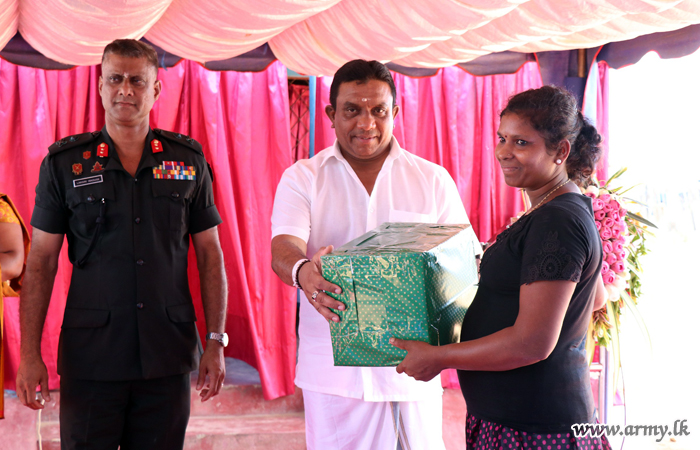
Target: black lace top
point(558, 241)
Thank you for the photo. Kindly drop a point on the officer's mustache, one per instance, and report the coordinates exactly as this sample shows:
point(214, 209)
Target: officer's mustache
point(122, 100)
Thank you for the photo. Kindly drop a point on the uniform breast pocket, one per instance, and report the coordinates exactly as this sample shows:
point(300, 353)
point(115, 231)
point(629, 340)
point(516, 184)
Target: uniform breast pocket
point(171, 202)
point(409, 216)
point(89, 205)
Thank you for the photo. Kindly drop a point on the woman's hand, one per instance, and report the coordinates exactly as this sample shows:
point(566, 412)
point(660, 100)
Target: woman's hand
point(421, 361)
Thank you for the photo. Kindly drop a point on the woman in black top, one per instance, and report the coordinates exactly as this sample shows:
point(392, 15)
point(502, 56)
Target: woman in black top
point(522, 360)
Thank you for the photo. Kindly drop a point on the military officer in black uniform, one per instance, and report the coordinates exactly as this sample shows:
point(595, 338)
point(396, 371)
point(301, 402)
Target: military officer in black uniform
point(128, 198)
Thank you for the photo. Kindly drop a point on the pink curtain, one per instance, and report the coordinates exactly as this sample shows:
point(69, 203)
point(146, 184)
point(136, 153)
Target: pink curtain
point(324, 135)
point(242, 121)
point(451, 119)
point(602, 118)
point(36, 108)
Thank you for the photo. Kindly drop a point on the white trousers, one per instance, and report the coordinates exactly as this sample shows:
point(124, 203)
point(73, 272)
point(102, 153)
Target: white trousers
point(341, 423)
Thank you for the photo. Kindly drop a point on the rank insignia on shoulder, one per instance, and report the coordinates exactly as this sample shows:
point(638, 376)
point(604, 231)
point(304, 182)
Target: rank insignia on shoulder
point(87, 154)
point(156, 146)
point(180, 138)
point(97, 167)
point(77, 169)
point(70, 142)
point(103, 150)
point(174, 170)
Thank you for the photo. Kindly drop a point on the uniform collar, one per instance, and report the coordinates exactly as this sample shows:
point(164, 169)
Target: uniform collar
point(147, 157)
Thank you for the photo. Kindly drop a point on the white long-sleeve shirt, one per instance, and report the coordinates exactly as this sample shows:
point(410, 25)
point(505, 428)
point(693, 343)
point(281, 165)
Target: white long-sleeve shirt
point(322, 201)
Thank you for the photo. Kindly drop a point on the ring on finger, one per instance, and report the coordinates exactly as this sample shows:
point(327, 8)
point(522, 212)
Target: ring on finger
point(314, 294)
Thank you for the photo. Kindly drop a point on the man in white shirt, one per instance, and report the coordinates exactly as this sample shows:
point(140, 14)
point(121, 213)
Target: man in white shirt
point(363, 180)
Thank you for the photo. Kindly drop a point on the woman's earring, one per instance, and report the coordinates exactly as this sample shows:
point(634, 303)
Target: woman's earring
point(558, 161)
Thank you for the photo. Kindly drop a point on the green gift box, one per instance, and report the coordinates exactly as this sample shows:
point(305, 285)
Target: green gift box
point(406, 280)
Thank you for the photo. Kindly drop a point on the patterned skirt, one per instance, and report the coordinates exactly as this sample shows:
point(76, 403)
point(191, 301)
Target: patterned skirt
point(485, 435)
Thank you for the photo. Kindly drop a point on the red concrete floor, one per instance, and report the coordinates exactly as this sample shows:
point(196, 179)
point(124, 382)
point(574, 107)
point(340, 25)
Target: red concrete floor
point(239, 418)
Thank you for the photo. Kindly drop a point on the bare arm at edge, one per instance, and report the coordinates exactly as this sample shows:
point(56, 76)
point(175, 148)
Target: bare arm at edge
point(42, 264)
point(601, 294)
point(11, 250)
point(212, 280)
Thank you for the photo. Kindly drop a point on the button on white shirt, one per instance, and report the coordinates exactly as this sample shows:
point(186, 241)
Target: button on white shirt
point(322, 201)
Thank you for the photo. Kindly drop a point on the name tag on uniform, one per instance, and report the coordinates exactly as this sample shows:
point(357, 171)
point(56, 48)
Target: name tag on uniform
point(87, 181)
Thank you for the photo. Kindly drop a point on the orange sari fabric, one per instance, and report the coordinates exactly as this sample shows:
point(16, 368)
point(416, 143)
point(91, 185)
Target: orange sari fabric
point(9, 214)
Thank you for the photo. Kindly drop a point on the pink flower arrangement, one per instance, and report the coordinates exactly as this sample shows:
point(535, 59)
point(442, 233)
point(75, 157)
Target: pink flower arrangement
point(623, 235)
point(610, 222)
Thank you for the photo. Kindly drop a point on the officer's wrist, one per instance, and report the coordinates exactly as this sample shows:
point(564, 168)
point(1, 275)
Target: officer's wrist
point(220, 339)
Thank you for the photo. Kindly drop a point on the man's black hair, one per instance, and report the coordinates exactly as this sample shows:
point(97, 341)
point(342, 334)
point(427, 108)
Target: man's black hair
point(361, 71)
point(131, 48)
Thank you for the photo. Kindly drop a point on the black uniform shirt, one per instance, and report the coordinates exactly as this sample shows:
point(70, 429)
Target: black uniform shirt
point(129, 313)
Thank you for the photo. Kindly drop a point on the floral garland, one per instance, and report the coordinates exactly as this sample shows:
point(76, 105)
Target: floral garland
point(623, 234)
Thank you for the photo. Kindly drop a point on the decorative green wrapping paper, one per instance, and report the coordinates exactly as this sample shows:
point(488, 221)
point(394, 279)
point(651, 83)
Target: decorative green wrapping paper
point(406, 280)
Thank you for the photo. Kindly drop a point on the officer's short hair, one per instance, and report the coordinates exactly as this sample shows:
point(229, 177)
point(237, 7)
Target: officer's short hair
point(131, 48)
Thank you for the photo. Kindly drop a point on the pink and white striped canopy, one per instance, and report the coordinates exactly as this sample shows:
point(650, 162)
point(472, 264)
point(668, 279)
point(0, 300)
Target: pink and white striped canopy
point(315, 37)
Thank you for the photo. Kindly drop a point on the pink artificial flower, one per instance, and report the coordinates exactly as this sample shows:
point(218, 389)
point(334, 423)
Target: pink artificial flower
point(608, 247)
point(618, 245)
point(623, 212)
point(611, 258)
point(609, 278)
point(605, 268)
point(614, 215)
point(608, 208)
point(614, 204)
point(617, 230)
point(618, 267)
point(598, 204)
point(613, 294)
point(598, 225)
point(593, 190)
point(608, 222)
point(605, 233)
point(599, 215)
point(605, 197)
point(620, 283)
point(589, 194)
point(621, 255)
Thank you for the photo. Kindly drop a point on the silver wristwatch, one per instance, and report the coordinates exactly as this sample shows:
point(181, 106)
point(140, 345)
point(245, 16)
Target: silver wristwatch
point(221, 338)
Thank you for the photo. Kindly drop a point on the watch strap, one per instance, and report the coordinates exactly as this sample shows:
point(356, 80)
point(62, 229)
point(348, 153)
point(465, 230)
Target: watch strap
point(221, 338)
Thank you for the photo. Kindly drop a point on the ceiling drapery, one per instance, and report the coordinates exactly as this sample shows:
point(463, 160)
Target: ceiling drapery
point(315, 37)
